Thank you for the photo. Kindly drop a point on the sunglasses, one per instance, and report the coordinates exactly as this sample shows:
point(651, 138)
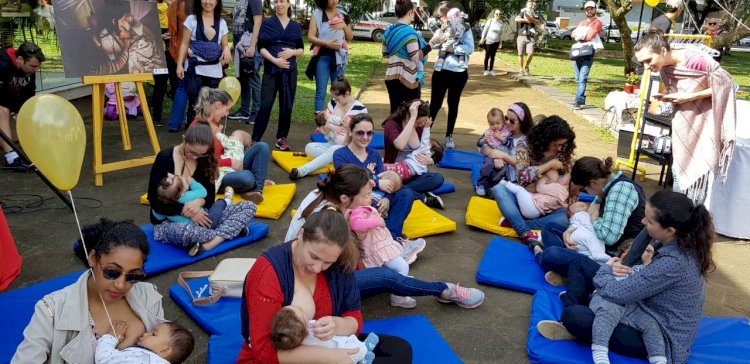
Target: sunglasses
point(711, 23)
point(362, 133)
point(509, 120)
point(112, 274)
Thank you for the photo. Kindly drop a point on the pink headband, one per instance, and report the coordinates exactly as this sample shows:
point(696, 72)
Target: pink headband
point(518, 110)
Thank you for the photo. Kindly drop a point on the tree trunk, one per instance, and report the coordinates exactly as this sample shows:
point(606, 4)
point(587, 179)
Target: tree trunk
point(618, 10)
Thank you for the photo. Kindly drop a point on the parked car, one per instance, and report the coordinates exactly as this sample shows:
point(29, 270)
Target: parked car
point(614, 33)
point(745, 42)
point(565, 33)
point(388, 16)
point(369, 27)
point(551, 28)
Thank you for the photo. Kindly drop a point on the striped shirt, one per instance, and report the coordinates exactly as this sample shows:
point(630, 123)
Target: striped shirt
point(622, 200)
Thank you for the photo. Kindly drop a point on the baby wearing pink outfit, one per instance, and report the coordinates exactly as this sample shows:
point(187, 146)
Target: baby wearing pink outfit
point(551, 194)
point(340, 36)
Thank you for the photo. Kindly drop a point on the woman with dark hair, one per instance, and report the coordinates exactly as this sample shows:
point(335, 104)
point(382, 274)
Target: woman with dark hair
point(518, 122)
point(671, 289)
point(66, 323)
point(407, 52)
point(280, 43)
point(319, 259)
point(194, 158)
point(338, 190)
point(204, 49)
point(332, 57)
point(549, 145)
point(453, 76)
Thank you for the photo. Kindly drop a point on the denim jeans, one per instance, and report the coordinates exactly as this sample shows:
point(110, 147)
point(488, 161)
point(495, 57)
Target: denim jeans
point(400, 207)
point(426, 182)
point(579, 321)
point(374, 281)
point(179, 104)
point(326, 70)
point(581, 70)
point(255, 169)
point(322, 154)
point(556, 257)
point(251, 91)
point(508, 205)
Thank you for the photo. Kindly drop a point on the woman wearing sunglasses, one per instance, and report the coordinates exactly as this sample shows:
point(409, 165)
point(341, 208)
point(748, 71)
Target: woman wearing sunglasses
point(194, 158)
point(67, 323)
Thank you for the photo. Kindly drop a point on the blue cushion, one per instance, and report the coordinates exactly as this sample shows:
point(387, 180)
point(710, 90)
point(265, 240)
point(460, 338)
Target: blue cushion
point(508, 264)
point(459, 159)
point(719, 340)
point(18, 306)
point(377, 141)
point(221, 318)
point(427, 344)
point(445, 188)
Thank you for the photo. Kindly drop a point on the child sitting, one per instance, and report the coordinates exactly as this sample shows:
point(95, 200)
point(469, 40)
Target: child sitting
point(376, 245)
point(391, 176)
point(497, 137)
point(168, 343)
point(410, 166)
point(453, 30)
point(608, 315)
point(583, 233)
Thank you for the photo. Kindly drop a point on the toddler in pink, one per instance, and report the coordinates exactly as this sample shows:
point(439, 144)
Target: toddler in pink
point(551, 194)
point(340, 36)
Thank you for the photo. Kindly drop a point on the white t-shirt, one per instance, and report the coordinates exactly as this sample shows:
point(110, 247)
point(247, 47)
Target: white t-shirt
point(213, 70)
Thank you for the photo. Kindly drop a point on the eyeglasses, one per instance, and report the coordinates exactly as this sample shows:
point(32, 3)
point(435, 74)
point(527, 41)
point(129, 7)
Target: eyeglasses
point(191, 154)
point(362, 133)
point(112, 274)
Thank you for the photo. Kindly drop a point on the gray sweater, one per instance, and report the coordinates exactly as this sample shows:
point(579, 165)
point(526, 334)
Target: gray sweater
point(492, 31)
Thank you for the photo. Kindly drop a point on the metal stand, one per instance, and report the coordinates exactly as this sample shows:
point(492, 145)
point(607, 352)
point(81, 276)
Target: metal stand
point(44, 179)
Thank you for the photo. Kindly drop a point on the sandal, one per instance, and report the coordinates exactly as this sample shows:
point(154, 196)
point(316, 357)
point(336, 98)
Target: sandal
point(299, 154)
point(196, 249)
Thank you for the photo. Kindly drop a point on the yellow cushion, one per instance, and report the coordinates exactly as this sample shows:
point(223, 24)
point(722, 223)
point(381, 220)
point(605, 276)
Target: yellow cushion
point(482, 213)
point(276, 199)
point(287, 161)
point(424, 221)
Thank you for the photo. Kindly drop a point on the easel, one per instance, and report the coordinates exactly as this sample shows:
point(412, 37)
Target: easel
point(97, 84)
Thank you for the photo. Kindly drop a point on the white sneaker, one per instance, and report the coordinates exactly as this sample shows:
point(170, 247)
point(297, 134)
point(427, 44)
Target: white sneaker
point(411, 248)
point(449, 144)
point(403, 301)
point(486, 73)
point(492, 73)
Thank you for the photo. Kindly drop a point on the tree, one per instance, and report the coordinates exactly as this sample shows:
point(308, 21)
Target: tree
point(736, 30)
point(355, 8)
point(617, 11)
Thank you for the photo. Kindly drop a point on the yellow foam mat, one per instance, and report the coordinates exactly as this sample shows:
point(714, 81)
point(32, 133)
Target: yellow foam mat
point(287, 161)
point(276, 199)
point(482, 213)
point(424, 221)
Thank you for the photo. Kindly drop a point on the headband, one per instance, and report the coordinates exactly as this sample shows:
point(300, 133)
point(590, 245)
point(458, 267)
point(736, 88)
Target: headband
point(518, 110)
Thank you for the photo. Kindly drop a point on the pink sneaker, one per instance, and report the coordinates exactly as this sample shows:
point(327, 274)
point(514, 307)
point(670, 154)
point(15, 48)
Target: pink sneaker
point(462, 296)
point(530, 235)
point(282, 144)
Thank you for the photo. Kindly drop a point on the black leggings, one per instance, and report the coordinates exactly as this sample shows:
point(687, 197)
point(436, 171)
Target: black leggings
point(624, 340)
point(489, 55)
point(272, 84)
point(453, 83)
point(398, 93)
point(390, 349)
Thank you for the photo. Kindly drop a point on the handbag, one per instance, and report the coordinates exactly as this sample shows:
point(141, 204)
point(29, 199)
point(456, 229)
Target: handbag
point(581, 50)
point(227, 280)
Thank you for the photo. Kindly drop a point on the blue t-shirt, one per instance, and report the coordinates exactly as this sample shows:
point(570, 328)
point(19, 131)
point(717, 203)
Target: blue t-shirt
point(345, 156)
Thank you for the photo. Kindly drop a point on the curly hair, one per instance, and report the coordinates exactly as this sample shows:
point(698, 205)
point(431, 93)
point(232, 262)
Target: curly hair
point(402, 111)
point(549, 130)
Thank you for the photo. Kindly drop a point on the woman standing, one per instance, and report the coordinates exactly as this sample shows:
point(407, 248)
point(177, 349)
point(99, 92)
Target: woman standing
point(280, 43)
point(67, 323)
point(319, 261)
point(671, 289)
point(205, 46)
point(332, 57)
point(453, 76)
point(492, 40)
point(406, 51)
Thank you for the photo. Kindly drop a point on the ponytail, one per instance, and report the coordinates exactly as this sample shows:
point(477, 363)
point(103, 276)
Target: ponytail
point(206, 97)
point(702, 231)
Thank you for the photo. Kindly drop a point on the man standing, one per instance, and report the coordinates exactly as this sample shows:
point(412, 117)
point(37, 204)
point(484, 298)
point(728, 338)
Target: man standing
point(246, 18)
point(527, 20)
point(586, 31)
point(17, 84)
point(664, 21)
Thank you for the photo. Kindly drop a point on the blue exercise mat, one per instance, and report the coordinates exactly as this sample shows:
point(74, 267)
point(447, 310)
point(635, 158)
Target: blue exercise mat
point(459, 159)
point(428, 346)
point(508, 264)
point(443, 189)
point(719, 340)
point(221, 318)
point(377, 141)
point(18, 306)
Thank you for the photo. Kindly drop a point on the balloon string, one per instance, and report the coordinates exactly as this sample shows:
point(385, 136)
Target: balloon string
point(85, 249)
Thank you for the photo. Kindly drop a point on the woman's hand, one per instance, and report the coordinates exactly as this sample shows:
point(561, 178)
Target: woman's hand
point(499, 163)
point(425, 159)
point(226, 56)
point(180, 71)
point(333, 44)
point(555, 164)
point(413, 109)
point(201, 219)
point(286, 53)
point(618, 269)
point(569, 243)
point(338, 129)
point(324, 328)
point(338, 26)
point(383, 205)
point(385, 185)
point(343, 356)
point(191, 208)
point(281, 63)
point(237, 164)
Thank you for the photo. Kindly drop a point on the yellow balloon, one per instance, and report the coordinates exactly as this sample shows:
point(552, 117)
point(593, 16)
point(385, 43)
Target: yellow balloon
point(232, 86)
point(52, 134)
point(652, 3)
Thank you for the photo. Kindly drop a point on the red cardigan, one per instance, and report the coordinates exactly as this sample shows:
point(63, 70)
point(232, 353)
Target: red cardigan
point(265, 298)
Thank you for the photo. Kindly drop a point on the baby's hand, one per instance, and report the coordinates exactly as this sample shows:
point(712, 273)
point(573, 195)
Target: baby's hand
point(120, 328)
point(371, 167)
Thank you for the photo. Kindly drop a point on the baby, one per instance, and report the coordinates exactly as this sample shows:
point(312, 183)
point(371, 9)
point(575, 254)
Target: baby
point(326, 117)
point(453, 30)
point(608, 315)
point(410, 166)
point(168, 343)
point(338, 34)
point(234, 148)
point(497, 137)
point(391, 176)
point(551, 194)
point(584, 235)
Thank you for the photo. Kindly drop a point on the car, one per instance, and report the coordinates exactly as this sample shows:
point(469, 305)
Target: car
point(369, 27)
point(551, 28)
point(388, 16)
point(565, 33)
point(614, 33)
point(745, 42)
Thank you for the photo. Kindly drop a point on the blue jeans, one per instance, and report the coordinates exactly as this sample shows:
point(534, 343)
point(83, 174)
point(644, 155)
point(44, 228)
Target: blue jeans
point(374, 281)
point(581, 70)
point(255, 169)
point(579, 320)
point(179, 104)
point(556, 257)
point(251, 90)
point(424, 183)
point(400, 207)
point(326, 69)
point(508, 205)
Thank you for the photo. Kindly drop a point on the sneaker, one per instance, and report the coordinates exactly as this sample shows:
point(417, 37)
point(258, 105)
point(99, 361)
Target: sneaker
point(403, 301)
point(433, 200)
point(481, 191)
point(535, 246)
point(504, 223)
point(530, 236)
point(243, 232)
point(282, 144)
point(492, 73)
point(239, 115)
point(250, 122)
point(196, 249)
point(19, 165)
point(228, 194)
point(553, 330)
point(294, 174)
point(158, 123)
point(555, 279)
point(438, 67)
point(411, 248)
point(254, 197)
point(486, 73)
point(449, 144)
point(462, 296)
point(576, 106)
